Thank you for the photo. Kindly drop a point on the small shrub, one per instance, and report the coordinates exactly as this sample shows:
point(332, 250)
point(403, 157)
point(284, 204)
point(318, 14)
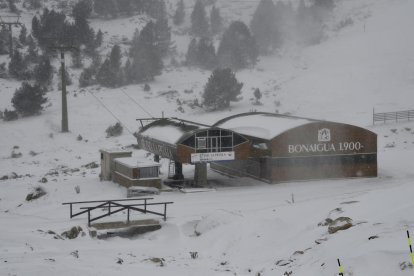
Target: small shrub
point(147, 87)
point(115, 130)
point(10, 115)
point(257, 95)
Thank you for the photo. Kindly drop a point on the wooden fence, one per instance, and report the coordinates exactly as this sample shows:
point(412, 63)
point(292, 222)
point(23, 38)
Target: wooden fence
point(397, 116)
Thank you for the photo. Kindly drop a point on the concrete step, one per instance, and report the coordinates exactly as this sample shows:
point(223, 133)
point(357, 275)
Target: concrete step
point(122, 229)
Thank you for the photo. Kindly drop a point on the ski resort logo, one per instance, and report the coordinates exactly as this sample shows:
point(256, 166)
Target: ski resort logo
point(324, 135)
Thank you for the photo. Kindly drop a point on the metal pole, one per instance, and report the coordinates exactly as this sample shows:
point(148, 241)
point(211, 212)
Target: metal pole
point(65, 124)
point(11, 41)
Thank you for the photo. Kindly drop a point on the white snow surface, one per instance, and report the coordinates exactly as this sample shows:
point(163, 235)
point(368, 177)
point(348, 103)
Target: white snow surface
point(242, 226)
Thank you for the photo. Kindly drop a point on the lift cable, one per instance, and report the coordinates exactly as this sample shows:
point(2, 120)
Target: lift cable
point(113, 115)
point(140, 106)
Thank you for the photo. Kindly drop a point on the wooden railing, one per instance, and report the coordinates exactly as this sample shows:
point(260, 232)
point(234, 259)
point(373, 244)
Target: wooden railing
point(114, 206)
point(393, 116)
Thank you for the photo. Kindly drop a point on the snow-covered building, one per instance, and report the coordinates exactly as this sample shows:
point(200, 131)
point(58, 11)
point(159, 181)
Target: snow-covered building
point(267, 146)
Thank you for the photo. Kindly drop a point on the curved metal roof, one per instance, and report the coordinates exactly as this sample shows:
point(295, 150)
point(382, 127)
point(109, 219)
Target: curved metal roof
point(262, 124)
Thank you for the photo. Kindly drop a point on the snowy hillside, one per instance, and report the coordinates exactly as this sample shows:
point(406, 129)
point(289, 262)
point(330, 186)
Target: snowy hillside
point(243, 227)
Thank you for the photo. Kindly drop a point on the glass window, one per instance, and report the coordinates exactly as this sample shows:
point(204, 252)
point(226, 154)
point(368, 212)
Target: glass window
point(201, 142)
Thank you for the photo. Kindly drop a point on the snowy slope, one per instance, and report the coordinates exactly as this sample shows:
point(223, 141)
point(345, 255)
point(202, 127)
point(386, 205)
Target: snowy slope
point(246, 226)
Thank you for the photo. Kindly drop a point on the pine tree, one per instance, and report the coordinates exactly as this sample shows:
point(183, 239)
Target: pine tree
point(23, 35)
point(285, 21)
point(156, 9)
point(35, 27)
point(82, 10)
point(99, 38)
point(115, 57)
point(52, 28)
point(179, 14)
point(86, 78)
point(326, 4)
point(201, 54)
point(216, 21)
point(4, 40)
point(191, 56)
point(146, 61)
point(257, 95)
point(162, 36)
point(32, 52)
point(110, 73)
point(3, 71)
point(222, 87)
point(17, 66)
point(264, 27)
point(83, 32)
point(106, 8)
point(125, 7)
point(12, 6)
point(43, 72)
point(237, 48)
point(145, 65)
point(199, 23)
point(206, 54)
point(28, 99)
point(105, 75)
point(76, 59)
point(309, 26)
point(34, 4)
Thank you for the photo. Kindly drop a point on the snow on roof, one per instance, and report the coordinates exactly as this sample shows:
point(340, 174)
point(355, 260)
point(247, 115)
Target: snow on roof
point(170, 130)
point(170, 133)
point(134, 162)
point(262, 125)
point(115, 150)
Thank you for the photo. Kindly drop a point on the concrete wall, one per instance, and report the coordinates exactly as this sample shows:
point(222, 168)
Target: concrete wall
point(125, 181)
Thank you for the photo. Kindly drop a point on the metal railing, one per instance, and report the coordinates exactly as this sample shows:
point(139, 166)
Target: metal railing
point(113, 206)
point(392, 116)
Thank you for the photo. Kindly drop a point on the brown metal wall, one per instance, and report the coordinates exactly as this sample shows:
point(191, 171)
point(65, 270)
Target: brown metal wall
point(324, 159)
point(298, 154)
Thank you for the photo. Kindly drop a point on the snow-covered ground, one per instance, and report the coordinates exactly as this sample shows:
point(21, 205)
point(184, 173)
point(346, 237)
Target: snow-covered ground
point(244, 227)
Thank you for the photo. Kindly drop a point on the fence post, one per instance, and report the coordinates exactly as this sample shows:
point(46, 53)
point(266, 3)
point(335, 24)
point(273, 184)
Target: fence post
point(373, 116)
point(145, 206)
point(89, 217)
point(165, 211)
point(70, 210)
point(128, 216)
point(109, 208)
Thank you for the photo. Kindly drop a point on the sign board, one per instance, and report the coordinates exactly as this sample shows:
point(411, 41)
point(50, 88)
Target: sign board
point(325, 145)
point(212, 156)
